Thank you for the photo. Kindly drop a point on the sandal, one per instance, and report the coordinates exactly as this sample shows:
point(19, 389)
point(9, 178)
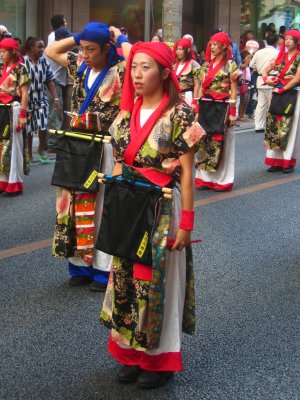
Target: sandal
point(44, 158)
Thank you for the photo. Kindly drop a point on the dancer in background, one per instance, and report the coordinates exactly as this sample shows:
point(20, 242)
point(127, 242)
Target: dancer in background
point(217, 115)
point(14, 82)
point(187, 71)
point(282, 137)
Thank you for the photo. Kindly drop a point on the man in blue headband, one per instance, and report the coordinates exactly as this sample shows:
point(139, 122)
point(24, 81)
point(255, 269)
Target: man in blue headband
point(95, 104)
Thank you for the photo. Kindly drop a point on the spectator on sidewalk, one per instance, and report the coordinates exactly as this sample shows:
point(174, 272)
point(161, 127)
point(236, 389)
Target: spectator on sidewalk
point(261, 59)
point(57, 21)
point(244, 90)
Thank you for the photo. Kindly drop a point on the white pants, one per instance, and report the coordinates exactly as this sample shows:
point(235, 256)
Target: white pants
point(263, 103)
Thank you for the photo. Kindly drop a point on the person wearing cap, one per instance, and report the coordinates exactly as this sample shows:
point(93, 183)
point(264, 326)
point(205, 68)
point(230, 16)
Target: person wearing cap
point(219, 74)
point(95, 104)
point(4, 32)
point(187, 71)
point(146, 307)
point(282, 136)
point(14, 83)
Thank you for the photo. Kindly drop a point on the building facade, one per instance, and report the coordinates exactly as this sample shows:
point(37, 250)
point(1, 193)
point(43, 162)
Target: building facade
point(199, 17)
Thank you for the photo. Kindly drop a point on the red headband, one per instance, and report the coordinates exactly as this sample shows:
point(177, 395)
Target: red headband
point(185, 43)
point(222, 38)
point(9, 44)
point(157, 50)
point(295, 34)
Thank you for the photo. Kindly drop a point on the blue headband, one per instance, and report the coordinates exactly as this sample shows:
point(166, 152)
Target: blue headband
point(97, 32)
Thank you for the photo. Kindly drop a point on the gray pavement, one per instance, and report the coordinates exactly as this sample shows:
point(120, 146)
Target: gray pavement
point(247, 344)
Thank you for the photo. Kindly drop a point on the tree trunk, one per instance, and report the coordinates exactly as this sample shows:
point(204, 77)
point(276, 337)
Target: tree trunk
point(172, 20)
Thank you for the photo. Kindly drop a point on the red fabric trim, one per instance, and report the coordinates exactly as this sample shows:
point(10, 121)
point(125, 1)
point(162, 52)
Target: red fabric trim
point(277, 162)
point(186, 64)
point(216, 96)
point(3, 185)
point(156, 177)
point(171, 361)
point(212, 71)
point(14, 187)
point(143, 272)
point(218, 136)
point(187, 220)
point(286, 67)
point(213, 185)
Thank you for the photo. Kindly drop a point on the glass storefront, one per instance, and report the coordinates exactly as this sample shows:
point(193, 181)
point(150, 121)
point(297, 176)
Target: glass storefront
point(13, 16)
point(258, 14)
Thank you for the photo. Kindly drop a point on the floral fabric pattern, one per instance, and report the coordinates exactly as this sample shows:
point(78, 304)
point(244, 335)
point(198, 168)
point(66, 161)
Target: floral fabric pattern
point(278, 127)
point(173, 135)
point(188, 77)
point(221, 81)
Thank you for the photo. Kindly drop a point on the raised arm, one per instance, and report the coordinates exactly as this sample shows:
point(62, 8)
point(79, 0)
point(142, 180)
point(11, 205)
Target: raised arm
point(58, 51)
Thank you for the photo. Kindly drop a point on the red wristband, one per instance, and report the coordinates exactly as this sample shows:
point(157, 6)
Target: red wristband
point(187, 220)
point(264, 78)
point(281, 90)
point(196, 104)
point(232, 111)
point(23, 113)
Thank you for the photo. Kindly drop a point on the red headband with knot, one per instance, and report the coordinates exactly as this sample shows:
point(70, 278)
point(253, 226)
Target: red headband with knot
point(9, 44)
point(186, 44)
point(294, 34)
point(222, 38)
point(161, 53)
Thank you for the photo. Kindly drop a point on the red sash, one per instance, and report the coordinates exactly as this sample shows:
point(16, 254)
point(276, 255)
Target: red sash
point(138, 136)
point(186, 64)
point(287, 65)
point(4, 97)
point(212, 71)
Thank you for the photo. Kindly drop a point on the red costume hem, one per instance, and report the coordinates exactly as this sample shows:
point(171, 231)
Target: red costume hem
point(277, 162)
point(171, 361)
point(14, 187)
point(213, 185)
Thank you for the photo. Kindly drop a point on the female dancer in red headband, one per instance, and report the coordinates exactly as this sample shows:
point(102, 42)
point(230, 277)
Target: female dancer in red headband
point(217, 114)
point(14, 82)
point(282, 137)
point(147, 306)
point(187, 71)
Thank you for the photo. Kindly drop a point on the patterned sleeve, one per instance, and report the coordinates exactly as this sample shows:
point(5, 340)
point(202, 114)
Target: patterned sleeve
point(233, 67)
point(73, 59)
point(24, 75)
point(186, 131)
point(48, 70)
point(196, 70)
point(203, 70)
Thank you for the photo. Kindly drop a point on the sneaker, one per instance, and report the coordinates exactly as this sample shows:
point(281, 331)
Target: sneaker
point(44, 158)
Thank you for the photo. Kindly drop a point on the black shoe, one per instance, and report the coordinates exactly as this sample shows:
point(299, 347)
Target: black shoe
point(98, 287)
point(129, 373)
point(80, 280)
point(288, 170)
point(259, 130)
point(274, 169)
point(202, 187)
point(152, 379)
point(12, 194)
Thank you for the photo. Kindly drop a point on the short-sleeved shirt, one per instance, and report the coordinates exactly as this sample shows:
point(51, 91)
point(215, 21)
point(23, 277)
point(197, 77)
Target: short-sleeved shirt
point(39, 73)
point(107, 99)
point(13, 82)
point(189, 76)
point(172, 135)
point(221, 82)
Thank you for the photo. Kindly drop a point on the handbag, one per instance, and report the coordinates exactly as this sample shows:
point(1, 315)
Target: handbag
point(213, 115)
point(129, 218)
point(283, 104)
point(78, 162)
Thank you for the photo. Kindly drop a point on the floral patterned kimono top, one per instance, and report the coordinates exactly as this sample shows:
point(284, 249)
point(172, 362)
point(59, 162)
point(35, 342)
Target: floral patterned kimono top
point(278, 127)
point(188, 77)
point(221, 81)
point(104, 107)
point(173, 135)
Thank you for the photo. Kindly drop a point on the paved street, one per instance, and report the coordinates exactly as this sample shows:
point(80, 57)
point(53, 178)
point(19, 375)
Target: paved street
point(247, 345)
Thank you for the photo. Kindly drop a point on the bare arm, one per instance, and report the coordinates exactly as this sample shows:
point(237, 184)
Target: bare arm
point(183, 237)
point(24, 103)
point(269, 80)
point(58, 51)
point(293, 82)
point(126, 47)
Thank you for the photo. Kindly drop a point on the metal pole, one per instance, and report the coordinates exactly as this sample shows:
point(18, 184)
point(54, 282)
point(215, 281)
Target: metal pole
point(172, 20)
point(147, 20)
